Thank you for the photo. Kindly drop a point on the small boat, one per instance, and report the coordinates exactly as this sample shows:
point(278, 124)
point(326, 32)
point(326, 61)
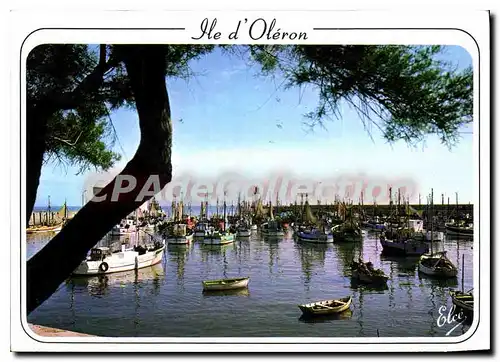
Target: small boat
point(437, 265)
point(243, 230)
point(315, 235)
point(407, 247)
point(44, 229)
point(365, 273)
point(253, 227)
point(244, 233)
point(102, 261)
point(463, 300)
point(272, 229)
point(216, 237)
point(225, 284)
point(460, 229)
point(347, 233)
point(326, 307)
point(179, 234)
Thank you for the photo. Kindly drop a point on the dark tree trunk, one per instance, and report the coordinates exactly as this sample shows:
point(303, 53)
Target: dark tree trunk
point(36, 131)
point(49, 268)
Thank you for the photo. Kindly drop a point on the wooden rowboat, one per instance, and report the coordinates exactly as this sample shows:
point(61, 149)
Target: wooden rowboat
point(462, 300)
point(326, 307)
point(226, 284)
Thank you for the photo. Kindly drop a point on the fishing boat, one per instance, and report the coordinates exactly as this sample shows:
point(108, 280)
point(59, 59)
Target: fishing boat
point(44, 229)
point(102, 261)
point(218, 237)
point(126, 227)
point(403, 247)
point(253, 227)
point(437, 265)
point(201, 229)
point(272, 229)
point(179, 234)
point(243, 232)
point(365, 273)
point(226, 284)
point(463, 300)
point(333, 306)
point(346, 233)
point(315, 235)
point(460, 229)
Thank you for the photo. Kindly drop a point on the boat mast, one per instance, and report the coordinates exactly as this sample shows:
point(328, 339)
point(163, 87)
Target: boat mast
point(463, 261)
point(432, 220)
point(224, 207)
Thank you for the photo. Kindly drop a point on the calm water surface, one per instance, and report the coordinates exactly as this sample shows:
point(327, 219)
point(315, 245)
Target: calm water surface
point(167, 300)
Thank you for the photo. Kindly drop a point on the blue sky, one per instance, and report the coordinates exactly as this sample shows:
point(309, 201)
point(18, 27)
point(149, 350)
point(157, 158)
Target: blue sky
point(234, 120)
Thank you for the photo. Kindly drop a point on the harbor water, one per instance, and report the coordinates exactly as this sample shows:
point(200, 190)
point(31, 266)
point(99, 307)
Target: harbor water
point(166, 300)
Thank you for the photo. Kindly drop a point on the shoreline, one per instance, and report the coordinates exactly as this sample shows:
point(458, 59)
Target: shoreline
point(44, 331)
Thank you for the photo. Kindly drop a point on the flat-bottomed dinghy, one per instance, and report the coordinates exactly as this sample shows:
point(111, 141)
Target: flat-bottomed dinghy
point(332, 306)
point(225, 284)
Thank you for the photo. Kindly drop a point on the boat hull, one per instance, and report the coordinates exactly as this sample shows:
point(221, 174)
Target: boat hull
point(244, 233)
point(120, 262)
point(180, 240)
point(315, 238)
point(226, 284)
point(403, 249)
point(219, 240)
point(440, 272)
point(325, 307)
point(464, 301)
point(273, 234)
point(369, 279)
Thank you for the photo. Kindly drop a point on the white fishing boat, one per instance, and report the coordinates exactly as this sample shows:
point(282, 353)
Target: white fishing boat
point(315, 235)
point(179, 234)
point(437, 265)
point(126, 227)
point(253, 227)
point(216, 237)
point(102, 261)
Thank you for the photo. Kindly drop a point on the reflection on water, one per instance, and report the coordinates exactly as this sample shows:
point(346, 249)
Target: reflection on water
point(224, 293)
point(326, 318)
point(167, 299)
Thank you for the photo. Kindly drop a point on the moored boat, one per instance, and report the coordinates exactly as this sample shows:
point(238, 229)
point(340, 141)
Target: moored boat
point(272, 229)
point(201, 229)
point(437, 265)
point(460, 229)
point(216, 237)
point(315, 235)
point(463, 300)
point(102, 261)
point(225, 284)
point(365, 273)
point(44, 229)
point(179, 234)
point(332, 306)
point(408, 247)
point(243, 232)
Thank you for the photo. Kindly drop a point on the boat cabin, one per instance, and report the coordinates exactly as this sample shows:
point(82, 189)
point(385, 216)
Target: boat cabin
point(97, 254)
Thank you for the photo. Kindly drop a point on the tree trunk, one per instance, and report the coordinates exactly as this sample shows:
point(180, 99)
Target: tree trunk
point(49, 268)
point(36, 130)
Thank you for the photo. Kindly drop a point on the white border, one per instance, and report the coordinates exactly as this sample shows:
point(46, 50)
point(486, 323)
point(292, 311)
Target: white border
point(474, 23)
